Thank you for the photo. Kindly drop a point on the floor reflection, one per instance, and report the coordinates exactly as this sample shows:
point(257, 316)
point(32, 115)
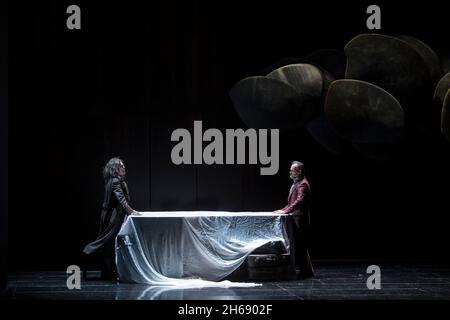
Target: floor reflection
point(175, 293)
point(332, 282)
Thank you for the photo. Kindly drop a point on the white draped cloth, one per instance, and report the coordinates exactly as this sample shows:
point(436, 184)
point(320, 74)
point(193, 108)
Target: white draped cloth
point(192, 248)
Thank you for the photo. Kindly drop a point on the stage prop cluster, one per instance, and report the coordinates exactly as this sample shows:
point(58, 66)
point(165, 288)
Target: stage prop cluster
point(371, 96)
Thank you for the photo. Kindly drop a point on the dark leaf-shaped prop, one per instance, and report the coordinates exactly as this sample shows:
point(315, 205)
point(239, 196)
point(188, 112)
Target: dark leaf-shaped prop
point(445, 120)
point(305, 78)
point(364, 113)
point(263, 102)
point(395, 66)
point(442, 88)
point(331, 60)
point(428, 56)
point(321, 129)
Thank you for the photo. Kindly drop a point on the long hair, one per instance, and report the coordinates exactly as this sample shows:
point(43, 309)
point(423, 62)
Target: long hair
point(111, 169)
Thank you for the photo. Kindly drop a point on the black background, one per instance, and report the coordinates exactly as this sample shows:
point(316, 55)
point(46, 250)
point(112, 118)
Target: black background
point(136, 71)
point(3, 144)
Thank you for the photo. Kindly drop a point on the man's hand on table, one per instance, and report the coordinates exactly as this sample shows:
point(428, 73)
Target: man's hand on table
point(136, 213)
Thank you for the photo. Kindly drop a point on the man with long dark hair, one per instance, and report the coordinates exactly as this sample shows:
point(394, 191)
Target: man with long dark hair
point(115, 208)
point(298, 206)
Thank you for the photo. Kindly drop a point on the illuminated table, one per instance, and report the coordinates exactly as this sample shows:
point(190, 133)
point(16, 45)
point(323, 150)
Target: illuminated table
point(160, 248)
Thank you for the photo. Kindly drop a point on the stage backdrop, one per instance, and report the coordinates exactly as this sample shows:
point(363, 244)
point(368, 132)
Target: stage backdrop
point(135, 72)
point(3, 145)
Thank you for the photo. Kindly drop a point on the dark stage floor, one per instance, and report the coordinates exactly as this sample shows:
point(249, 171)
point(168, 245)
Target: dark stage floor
point(336, 282)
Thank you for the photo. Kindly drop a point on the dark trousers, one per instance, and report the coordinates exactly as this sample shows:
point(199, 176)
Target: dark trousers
point(108, 261)
point(301, 244)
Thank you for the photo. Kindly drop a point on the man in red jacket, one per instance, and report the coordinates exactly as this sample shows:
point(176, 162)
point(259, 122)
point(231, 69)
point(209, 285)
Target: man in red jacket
point(298, 208)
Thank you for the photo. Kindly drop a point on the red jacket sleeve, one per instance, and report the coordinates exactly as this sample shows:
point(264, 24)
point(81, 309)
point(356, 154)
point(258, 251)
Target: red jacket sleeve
point(300, 196)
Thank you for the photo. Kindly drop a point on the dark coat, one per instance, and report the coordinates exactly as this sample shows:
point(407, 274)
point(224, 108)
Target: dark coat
point(115, 208)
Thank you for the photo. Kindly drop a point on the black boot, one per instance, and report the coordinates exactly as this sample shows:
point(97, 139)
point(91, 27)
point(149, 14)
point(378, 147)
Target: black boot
point(108, 267)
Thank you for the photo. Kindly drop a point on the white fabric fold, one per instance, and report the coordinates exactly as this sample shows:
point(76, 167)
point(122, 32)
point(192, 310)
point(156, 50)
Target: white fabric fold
point(193, 249)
